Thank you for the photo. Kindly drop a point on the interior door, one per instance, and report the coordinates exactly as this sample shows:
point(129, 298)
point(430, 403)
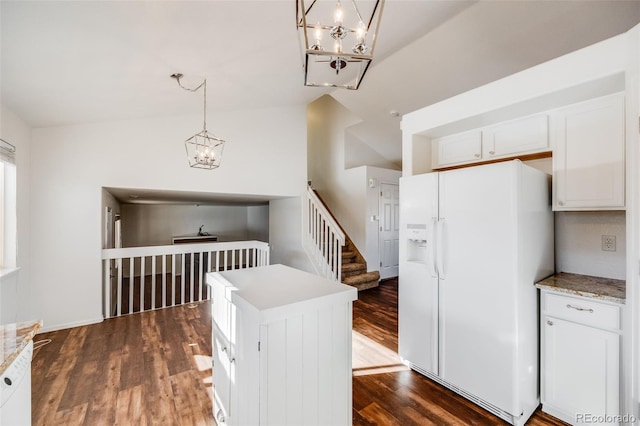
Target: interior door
point(388, 236)
point(477, 281)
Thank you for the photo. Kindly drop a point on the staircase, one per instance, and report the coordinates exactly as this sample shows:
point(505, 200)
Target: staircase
point(332, 252)
point(354, 268)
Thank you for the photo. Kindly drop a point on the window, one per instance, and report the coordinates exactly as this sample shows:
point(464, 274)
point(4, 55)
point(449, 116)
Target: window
point(8, 223)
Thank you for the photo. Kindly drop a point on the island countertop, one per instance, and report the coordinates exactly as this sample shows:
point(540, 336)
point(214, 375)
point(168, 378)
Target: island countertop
point(606, 289)
point(14, 338)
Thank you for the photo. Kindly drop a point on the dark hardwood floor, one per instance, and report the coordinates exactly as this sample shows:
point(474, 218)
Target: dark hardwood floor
point(404, 397)
point(154, 368)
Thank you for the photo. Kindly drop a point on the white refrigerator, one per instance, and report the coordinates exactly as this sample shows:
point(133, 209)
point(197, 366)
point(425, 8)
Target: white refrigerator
point(473, 242)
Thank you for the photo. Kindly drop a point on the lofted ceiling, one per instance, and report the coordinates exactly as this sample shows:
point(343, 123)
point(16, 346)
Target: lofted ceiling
point(70, 62)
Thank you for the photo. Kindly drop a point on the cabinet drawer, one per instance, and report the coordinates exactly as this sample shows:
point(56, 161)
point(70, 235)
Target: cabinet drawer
point(582, 310)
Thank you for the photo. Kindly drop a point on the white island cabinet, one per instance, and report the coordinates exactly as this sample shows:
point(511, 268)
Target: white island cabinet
point(281, 347)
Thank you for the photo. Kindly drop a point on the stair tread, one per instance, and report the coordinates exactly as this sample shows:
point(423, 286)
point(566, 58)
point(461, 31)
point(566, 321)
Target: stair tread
point(361, 278)
point(348, 267)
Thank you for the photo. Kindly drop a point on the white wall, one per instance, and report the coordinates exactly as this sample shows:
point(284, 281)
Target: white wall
point(345, 190)
point(15, 290)
point(285, 234)
point(579, 243)
point(156, 224)
point(265, 155)
point(258, 223)
point(342, 190)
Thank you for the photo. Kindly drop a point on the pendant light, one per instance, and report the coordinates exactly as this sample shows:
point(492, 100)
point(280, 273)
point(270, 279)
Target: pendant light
point(337, 40)
point(204, 150)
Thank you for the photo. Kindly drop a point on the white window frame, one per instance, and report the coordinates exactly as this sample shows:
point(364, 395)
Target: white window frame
point(8, 208)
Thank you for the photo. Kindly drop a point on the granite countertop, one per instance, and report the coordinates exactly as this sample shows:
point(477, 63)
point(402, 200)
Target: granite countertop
point(14, 338)
point(607, 289)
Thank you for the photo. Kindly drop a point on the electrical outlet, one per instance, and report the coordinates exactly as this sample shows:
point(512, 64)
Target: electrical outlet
point(609, 243)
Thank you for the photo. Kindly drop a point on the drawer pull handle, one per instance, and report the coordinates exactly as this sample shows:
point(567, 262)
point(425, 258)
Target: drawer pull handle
point(580, 309)
point(549, 322)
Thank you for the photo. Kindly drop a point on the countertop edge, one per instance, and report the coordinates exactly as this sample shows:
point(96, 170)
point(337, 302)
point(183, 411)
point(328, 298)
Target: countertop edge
point(605, 289)
point(32, 329)
point(586, 294)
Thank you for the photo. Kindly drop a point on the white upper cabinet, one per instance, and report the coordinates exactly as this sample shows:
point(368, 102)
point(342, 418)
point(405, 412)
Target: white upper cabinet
point(524, 136)
point(588, 155)
point(457, 149)
point(510, 139)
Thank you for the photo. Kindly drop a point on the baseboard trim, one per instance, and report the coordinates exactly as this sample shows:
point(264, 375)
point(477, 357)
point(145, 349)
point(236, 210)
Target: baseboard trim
point(46, 329)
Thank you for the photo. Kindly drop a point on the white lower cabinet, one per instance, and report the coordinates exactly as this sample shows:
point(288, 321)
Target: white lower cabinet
point(281, 347)
point(580, 359)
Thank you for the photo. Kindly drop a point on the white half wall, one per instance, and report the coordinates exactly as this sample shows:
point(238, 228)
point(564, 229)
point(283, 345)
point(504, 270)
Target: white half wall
point(15, 289)
point(265, 154)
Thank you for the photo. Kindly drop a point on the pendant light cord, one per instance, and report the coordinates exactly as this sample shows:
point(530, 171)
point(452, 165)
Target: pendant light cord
point(203, 84)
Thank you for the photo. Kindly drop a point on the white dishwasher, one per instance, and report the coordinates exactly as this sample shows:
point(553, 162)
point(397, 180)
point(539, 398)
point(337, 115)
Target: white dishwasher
point(15, 390)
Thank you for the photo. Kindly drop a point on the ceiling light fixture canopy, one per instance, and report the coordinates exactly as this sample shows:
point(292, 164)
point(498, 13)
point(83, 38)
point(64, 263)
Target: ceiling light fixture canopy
point(337, 41)
point(204, 151)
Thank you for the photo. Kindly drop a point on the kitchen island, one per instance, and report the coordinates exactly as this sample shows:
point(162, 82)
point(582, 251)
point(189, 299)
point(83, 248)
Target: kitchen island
point(281, 347)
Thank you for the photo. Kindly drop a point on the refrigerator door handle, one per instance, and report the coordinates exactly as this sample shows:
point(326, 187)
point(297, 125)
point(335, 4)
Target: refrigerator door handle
point(431, 249)
point(440, 249)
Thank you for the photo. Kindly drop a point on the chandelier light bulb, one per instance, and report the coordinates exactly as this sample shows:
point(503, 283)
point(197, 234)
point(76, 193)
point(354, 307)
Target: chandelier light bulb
point(360, 48)
point(338, 15)
point(317, 45)
point(361, 32)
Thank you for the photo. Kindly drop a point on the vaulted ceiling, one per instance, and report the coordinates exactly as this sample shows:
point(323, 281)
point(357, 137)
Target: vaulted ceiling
point(69, 62)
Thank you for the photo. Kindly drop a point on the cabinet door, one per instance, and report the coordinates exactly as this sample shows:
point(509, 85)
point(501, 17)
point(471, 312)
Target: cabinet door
point(223, 376)
point(223, 341)
point(523, 136)
point(588, 155)
point(580, 370)
point(457, 149)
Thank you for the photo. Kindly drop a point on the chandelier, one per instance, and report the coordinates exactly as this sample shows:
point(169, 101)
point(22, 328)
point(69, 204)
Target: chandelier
point(204, 151)
point(337, 41)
